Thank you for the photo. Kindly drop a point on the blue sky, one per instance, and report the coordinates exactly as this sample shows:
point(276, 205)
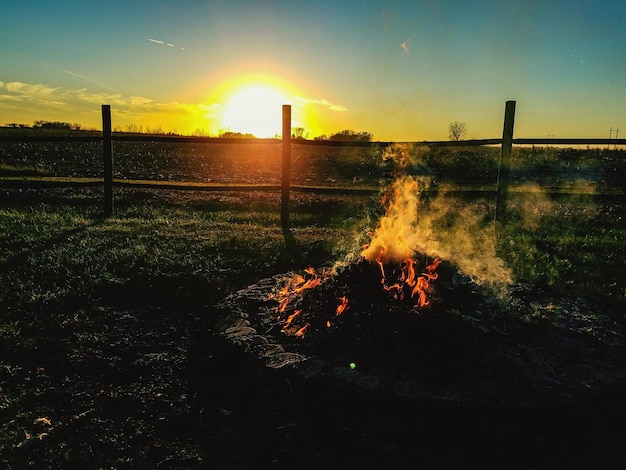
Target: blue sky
point(402, 70)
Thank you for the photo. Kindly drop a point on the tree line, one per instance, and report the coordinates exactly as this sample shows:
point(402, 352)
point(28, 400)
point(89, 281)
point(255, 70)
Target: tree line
point(456, 131)
point(47, 125)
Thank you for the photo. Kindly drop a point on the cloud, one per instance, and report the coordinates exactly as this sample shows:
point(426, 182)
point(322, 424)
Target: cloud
point(36, 93)
point(322, 102)
point(9, 98)
point(20, 91)
point(201, 107)
point(28, 89)
point(40, 99)
point(99, 98)
point(139, 101)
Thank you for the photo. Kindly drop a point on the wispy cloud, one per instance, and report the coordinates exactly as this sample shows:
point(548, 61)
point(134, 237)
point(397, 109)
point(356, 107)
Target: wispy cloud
point(9, 98)
point(212, 109)
point(42, 98)
point(19, 91)
point(28, 89)
point(140, 101)
point(322, 102)
point(99, 98)
point(39, 93)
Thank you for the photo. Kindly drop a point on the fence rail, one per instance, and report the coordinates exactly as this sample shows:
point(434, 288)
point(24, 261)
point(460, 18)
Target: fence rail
point(107, 137)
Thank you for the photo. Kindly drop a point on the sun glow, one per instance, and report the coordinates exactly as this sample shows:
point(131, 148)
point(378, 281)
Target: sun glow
point(252, 103)
point(254, 109)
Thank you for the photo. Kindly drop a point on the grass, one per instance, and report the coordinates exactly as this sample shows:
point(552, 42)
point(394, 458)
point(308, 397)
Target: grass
point(57, 250)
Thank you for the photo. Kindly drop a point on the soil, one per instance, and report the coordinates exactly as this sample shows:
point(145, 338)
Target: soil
point(533, 382)
point(163, 387)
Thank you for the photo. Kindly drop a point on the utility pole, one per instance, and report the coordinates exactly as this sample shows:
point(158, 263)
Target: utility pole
point(616, 134)
point(610, 134)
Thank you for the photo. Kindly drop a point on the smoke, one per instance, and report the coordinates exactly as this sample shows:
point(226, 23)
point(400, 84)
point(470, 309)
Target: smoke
point(439, 226)
point(532, 204)
point(464, 233)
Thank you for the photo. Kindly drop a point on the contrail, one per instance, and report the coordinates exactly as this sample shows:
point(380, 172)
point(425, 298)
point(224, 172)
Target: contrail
point(82, 77)
point(164, 43)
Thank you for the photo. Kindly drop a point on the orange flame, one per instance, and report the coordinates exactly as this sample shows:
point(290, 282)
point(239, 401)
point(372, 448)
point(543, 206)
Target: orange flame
point(396, 236)
point(291, 318)
point(301, 331)
point(295, 286)
point(417, 285)
point(342, 306)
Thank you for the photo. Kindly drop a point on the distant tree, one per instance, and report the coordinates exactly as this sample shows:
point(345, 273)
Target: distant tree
point(235, 135)
point(158, 130)
point(298, 133)
point(56, 125)
point(348, 135)
point(456, 130)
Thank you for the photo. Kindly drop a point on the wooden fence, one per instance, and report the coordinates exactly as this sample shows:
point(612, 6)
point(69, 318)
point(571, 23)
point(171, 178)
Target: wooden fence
point(506, 142)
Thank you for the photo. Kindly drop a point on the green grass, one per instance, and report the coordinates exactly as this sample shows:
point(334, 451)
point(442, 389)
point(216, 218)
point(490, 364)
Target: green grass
point(58, 251)
point(57, 254)
point(577, 248)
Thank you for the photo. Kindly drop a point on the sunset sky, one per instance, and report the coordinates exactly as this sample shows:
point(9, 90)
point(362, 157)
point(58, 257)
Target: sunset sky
point(402, 70)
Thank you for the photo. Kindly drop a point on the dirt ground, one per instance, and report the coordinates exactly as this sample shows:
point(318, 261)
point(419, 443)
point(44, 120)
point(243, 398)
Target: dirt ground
point(160, 387)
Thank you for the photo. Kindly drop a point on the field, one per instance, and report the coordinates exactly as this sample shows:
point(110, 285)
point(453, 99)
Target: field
point(110, 358)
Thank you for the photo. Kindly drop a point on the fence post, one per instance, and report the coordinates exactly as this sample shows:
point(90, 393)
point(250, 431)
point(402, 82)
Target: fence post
point(286, 169)
point(108, 160)
point(505, 163)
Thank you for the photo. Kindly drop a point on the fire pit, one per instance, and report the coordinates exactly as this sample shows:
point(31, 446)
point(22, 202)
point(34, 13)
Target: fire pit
point(465, 345)
point(398, 320)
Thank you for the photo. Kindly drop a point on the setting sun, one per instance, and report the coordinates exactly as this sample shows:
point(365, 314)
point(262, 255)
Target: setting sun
point(254, 109)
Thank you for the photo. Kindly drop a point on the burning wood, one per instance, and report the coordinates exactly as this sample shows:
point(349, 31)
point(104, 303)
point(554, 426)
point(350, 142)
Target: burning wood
point(343, 305)
point(392, 249)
